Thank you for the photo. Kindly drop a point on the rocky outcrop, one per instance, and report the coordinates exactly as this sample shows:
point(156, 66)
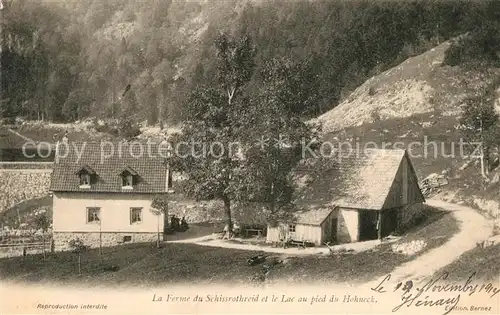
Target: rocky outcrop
point(430, 185)
point(421, 84)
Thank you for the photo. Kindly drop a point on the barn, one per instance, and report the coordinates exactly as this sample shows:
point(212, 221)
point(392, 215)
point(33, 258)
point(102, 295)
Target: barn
point(357, 197)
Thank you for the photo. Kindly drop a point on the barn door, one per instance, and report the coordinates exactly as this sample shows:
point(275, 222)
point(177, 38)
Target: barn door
point(368, 229)
point(389, 221)
point(333, 236)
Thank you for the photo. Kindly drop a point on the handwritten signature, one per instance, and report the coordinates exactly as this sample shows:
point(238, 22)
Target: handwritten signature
point(420, 296)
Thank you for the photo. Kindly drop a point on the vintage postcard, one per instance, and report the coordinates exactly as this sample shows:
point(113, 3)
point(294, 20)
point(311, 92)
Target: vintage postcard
point(249, 156)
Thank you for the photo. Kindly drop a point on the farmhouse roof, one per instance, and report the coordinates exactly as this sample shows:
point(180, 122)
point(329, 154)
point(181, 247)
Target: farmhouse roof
point(128, 170)
point(108, 160)
point(85, 169)
point(352, 179)
point(314, 216)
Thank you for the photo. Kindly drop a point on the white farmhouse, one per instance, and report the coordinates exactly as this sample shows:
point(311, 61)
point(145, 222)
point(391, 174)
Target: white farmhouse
point(104, 197)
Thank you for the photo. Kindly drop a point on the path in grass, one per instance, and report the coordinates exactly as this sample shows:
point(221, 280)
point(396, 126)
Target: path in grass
point(473, 228)
point(210, 240)
point(20, 135)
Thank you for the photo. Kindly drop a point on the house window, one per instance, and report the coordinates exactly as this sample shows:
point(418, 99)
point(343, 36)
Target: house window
point(127, 180)
point(93, 215)
point(127, 238)
point(291, 228)
point(135, 215)
point(84, 179)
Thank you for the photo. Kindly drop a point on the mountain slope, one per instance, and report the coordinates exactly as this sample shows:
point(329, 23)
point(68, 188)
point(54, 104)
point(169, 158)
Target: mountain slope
point(68, 60)
point(421, 84)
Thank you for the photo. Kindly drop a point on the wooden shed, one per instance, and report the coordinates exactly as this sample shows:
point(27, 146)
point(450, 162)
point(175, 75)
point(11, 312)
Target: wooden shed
point(371, 194)
point(315, 226)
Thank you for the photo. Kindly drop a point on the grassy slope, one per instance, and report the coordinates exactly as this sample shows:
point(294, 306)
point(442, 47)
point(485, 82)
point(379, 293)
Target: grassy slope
point(483, 261)
point(139, 264)
point(143, 264)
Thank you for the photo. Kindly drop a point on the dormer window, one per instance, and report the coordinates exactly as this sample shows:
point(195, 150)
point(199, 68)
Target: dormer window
point(85, 174)
point(128, 176)
point(127, 181)
point(85, 179)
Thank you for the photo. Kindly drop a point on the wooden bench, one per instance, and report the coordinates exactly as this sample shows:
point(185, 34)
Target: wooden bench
point(292, 242)
point(299, 244)
point(259, 232)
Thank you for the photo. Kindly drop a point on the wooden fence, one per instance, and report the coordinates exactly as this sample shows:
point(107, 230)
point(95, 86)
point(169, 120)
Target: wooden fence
point(13, 249)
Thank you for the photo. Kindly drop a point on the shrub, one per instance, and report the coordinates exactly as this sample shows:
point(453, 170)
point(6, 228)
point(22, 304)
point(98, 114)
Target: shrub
point(128, 129)
point(78, 247)
point(108, 267)
point(372, 91)
point(107, 128)
point(375, 116)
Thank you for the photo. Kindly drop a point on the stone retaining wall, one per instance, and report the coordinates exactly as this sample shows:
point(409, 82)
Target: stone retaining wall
point(20, 185)
point(62, 239)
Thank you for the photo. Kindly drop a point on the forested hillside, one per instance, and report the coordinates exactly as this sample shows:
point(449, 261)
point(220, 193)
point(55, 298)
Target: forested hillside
point(68, 60)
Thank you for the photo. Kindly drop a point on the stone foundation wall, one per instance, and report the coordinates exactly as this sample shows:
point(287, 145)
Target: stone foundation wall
point(61, 239)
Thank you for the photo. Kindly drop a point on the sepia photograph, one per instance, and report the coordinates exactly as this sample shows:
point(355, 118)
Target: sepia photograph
point(249, 157)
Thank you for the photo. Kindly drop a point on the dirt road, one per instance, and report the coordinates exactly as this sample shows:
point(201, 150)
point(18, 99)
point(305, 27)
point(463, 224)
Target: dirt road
point(473, 228)
point(210, 240)
point(21, 136)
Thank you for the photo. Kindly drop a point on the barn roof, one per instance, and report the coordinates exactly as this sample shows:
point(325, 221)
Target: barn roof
point(107, 164)
point(352, 179)
point(314, 216)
